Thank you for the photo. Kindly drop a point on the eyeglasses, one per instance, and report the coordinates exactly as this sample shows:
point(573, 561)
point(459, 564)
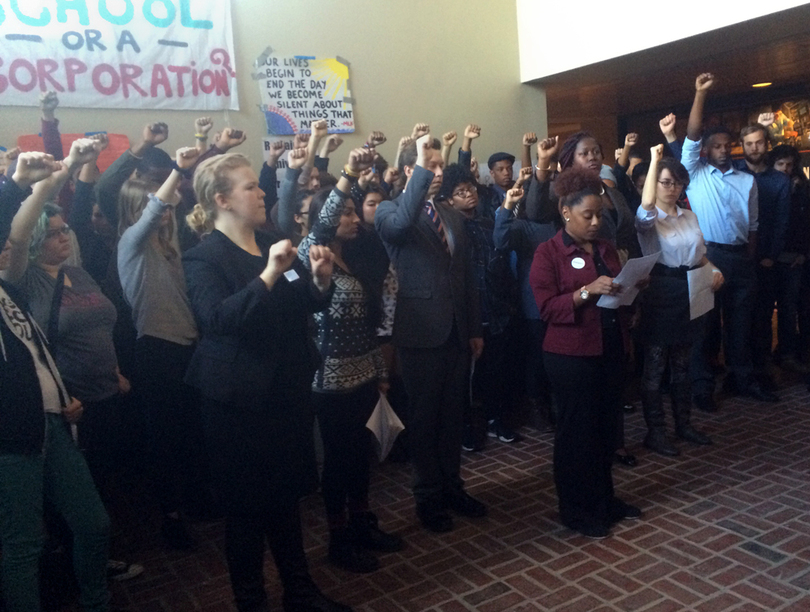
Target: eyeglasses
point(670, 184)
point(64, 230)
point(463, 191)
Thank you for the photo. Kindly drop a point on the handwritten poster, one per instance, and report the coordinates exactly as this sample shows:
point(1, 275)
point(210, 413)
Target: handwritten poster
point(172, 54)
point(297, 90)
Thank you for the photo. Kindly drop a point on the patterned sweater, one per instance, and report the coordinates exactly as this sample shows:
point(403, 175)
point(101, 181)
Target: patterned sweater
point(347, 339)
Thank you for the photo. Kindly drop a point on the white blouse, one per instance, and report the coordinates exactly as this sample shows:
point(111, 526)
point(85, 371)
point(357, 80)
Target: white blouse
point(677, 237)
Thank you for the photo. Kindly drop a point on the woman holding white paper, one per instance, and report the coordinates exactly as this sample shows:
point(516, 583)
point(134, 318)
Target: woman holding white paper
point(666, 328)
point(348, 383)
point(584, 353)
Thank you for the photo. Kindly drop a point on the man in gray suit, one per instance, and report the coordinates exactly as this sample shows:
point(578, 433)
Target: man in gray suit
point(436, 327)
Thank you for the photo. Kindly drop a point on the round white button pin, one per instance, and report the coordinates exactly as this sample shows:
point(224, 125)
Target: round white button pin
point(578, 263)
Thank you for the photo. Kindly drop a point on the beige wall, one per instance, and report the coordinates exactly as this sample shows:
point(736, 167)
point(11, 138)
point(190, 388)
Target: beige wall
point(445, 62)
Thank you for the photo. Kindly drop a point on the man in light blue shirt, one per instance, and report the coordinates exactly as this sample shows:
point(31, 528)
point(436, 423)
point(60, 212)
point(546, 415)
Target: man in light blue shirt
point(726, 204)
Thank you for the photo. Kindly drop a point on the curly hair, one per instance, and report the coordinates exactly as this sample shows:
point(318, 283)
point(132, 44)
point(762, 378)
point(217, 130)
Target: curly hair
point(575, 184)
point(453, 176)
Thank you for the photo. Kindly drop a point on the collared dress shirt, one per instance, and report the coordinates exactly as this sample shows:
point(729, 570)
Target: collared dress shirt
point(678, 237)
point(726, 203)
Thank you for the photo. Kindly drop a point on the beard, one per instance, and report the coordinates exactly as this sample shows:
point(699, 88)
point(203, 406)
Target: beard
point(755, 158)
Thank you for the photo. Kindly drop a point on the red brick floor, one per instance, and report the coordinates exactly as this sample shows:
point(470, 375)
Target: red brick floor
point(726, 527)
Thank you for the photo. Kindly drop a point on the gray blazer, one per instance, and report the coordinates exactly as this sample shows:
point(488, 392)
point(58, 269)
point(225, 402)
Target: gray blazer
point(437, 288)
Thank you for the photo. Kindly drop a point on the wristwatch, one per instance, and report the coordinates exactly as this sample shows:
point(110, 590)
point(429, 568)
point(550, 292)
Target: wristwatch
point(584, 294)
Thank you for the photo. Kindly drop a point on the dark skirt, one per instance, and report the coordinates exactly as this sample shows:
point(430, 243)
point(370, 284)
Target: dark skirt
point(665, 312)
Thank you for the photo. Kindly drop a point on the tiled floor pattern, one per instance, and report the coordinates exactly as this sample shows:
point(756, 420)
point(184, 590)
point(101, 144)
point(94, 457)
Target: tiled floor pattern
point(726, 528)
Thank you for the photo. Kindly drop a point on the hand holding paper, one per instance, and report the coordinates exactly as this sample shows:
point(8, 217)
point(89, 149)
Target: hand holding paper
point(633, 273)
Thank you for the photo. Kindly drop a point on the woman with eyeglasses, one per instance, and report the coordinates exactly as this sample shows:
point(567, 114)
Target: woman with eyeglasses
point(666, 329)
point(71, 309)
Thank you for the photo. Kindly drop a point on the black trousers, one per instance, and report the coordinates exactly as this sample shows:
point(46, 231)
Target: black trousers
point(176, 456)
point(436, 381)
point(342, 418)
point(246, 538)
point(735, 301)
point(589, 397)
point(491, 384)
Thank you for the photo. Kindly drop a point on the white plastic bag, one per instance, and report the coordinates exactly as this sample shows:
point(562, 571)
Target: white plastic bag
point(385, 425)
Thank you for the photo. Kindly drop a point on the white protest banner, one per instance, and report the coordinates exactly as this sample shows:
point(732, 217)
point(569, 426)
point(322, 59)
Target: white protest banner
point(165, 54)
point(297, 90)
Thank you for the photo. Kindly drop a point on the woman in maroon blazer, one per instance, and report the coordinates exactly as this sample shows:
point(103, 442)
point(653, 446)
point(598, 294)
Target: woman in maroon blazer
point(584, 355)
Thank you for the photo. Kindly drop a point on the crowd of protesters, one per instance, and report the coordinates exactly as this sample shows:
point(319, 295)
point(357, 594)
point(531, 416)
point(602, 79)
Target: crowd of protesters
point(231, 311)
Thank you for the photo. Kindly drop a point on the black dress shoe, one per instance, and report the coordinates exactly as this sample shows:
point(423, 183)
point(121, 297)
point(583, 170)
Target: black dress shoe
point(629, 408)
point(464, 504)
point(690, 434)
point(368, 534)
point(620, 511)
point(433, 517)
point(656, 441)
point(628, 459)
point(756, 391)
point(705, 402)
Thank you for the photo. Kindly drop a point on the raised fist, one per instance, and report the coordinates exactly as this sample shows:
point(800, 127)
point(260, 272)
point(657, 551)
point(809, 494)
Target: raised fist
point(704, 81)
point(449, 139)
point(529, 138)
point(203, 125)
point(187, 157)
point(276, 151)
point(155, 133)
point(766, 119)
point(547, 150)
point(631, 139)
point(419, 130)
point(297, 157)
point(375, 139)
point(472, 131)
point(33, 167)
point(332, 143)
point(48, 101)
point(319, 129)
point(102, 140)
point(230, 138)
point(667, 124)
point(82, 151)
point(361, 159)
point(524, 175)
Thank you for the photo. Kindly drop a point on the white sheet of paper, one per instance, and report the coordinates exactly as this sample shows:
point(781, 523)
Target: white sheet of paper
point(634, 270)
point(701, 296)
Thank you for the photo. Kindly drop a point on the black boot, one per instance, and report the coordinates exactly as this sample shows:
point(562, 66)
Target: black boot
point(656, 439)
point(682, 410)
point(367, 534)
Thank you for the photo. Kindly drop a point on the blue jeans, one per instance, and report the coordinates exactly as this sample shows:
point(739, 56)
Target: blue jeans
point(60, 475)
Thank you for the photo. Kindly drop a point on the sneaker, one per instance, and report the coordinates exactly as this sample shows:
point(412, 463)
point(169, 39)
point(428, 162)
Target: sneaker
point(368, 535)
point(121, 570)
point(471, 441)
point(496, 430)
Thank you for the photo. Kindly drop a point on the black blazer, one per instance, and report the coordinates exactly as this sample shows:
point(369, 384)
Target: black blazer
point(437, 288)
point(252, 340)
